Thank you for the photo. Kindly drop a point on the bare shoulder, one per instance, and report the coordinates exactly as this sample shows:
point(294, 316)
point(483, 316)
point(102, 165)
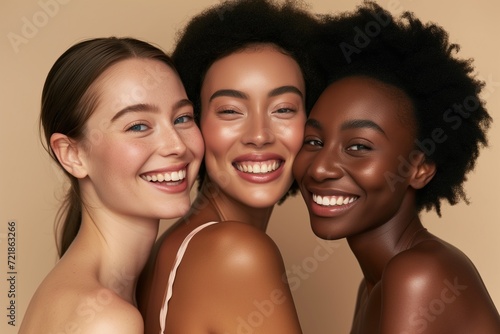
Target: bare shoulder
point(238, 246)
point(241, 268)
point(103, 311)
point(440, 287)
point(81, 310)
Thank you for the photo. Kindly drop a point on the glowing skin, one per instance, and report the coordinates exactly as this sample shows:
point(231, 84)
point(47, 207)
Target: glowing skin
point(355, 138)
point(252, 121)
point(141, 133)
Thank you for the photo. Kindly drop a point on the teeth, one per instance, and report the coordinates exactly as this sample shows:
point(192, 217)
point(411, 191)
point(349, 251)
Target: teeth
point(258, 168)
point(165, 177)
point(333, 200)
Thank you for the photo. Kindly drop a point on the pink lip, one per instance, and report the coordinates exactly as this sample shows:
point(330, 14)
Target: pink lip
point(259, 157)
point(167, 169)
point(328, 211)
point(171, 187)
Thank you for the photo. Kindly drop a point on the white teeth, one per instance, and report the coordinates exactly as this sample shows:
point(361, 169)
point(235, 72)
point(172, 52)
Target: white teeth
point(165, 177)
point(258, 168)
point(333, 200)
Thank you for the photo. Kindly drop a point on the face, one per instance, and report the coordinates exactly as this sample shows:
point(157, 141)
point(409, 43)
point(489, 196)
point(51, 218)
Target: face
point(252, 121)
point(353, 169)
point(142, 148)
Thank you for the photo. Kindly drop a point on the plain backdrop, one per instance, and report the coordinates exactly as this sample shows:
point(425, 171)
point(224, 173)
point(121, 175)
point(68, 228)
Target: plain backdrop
point(323, 275)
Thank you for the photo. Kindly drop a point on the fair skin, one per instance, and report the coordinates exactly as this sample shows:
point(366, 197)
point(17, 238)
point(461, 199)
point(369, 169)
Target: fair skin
point(358, 133)
point(137, 133)
point(252, 120)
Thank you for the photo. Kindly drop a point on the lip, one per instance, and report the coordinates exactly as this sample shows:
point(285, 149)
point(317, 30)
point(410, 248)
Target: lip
point(176, 184)
point(330, 210)
point(258, 158)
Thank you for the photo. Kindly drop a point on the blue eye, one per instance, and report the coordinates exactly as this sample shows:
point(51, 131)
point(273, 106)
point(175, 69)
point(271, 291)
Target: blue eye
point(183, 119)
point(139, 127)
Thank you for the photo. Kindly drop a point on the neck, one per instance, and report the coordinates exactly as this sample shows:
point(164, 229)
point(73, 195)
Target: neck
point(375, 248)
point(229, 209)
point(115, 250)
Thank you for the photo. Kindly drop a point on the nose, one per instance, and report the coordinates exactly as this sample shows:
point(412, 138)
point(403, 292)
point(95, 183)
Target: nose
point(170, 142)
point(258, 129)
point(326, 165)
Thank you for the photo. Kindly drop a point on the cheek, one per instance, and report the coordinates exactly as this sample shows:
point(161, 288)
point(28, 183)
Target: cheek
point(194, 142)
point(292, 135)
point(217, 137)
point(300, 164)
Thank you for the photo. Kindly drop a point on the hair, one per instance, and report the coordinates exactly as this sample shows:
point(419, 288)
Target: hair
point(232, 26)
point(418, 59)
point(68, 100)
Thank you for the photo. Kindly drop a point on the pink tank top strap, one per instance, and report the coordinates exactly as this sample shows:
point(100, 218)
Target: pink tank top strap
point(171, 278)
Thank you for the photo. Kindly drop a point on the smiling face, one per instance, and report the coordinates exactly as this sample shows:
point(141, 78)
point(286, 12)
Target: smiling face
point(252, 121)
point(357, 162)
point(142, 148)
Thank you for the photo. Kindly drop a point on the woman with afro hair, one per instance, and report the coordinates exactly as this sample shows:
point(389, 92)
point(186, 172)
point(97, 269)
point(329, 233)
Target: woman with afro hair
point(397, 129)
point(216, 270)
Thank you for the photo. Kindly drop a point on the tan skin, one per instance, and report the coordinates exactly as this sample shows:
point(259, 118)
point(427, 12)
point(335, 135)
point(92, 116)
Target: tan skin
point(92, 288)
point(414, 282)
point(231, 276)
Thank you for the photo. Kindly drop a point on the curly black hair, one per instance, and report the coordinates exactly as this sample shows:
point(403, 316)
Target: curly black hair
point(232, 26)
point(419, 59)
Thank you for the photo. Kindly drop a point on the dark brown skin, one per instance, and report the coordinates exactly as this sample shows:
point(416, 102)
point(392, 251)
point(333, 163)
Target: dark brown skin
point(355, 139)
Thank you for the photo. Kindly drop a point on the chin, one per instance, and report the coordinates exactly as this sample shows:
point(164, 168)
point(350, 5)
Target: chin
point(324, 232)
point(175, 209)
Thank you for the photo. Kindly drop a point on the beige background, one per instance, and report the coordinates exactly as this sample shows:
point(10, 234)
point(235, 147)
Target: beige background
point(324, 276)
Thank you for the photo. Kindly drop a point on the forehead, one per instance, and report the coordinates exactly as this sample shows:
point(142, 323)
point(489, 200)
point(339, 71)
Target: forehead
point(364, 97)
point(264, 59)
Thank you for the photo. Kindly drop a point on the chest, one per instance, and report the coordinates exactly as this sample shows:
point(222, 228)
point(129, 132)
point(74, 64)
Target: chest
point(368, 311)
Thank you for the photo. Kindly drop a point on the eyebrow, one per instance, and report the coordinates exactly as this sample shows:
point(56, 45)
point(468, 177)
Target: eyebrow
point(362, 123)
point(350, 124)
point(241, 95)
point(284, 90)
point(144, 107)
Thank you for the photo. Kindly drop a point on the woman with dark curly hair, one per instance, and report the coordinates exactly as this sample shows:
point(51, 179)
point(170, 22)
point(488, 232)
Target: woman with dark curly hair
point(243, 66)
point(396, 131)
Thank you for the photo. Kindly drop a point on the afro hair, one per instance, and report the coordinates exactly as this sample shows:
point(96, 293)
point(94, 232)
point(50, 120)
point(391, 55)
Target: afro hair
point(418, 59)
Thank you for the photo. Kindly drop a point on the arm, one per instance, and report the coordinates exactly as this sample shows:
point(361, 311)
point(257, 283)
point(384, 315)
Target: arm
point(230, 280)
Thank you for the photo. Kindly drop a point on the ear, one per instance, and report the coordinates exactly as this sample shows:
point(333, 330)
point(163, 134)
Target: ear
point(423, 173)
point(68, 153)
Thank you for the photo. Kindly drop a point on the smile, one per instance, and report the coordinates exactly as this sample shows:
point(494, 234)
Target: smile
point(333, 200)
point(165, 177)
point(261, 167)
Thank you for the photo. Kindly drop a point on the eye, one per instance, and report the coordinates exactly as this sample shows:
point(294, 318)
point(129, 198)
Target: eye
point(138, 127)
point(284, 110)
point(358, 147)
point(313, 142)
point(183, 119)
